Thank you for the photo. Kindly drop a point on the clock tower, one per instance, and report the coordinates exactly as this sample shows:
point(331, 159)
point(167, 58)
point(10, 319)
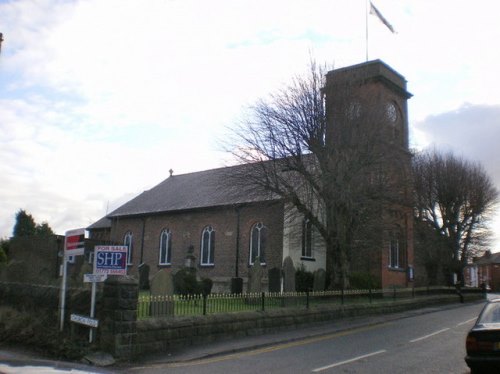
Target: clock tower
point(367, 129)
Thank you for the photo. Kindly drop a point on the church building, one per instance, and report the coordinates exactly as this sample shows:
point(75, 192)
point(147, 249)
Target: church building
point(222, 228)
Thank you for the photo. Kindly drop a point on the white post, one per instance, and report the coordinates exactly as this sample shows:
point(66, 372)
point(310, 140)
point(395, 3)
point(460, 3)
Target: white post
point(62, 297)
point(92, 311)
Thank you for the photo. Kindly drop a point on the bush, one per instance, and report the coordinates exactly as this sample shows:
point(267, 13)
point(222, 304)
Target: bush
point(37, 331)
point(3, 256)
point(363, 281)
point(304, 280)
point(4, 250)
point(186, 283)
point(206, 286)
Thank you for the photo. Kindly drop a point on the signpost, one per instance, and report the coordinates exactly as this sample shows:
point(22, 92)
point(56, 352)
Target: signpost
point(94, 278)
point(74, 245)
point(108, 260)
point(74, 242)
point(83, 320)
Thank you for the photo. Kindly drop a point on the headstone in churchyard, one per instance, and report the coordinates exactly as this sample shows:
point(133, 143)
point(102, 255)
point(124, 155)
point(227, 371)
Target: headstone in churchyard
point(144, 276)
point(274, 276)
point(162, 288)
point(288, 275)
point(190, 259)
point(255, 277)
point(319, 280)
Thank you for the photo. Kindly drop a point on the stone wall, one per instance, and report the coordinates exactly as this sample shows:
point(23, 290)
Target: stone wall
point(118, 333)
point(160, 335)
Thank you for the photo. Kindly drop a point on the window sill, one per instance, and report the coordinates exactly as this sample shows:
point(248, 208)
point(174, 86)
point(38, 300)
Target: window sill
point(261, 264)
point(161, 266)
point(206, 265)
point(307, 259)
point(401, 270)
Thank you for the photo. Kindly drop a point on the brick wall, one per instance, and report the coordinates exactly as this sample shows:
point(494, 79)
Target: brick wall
point(187, 227)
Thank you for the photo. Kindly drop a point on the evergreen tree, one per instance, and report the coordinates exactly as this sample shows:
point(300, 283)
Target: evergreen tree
point(25, 224)
point(44, 229)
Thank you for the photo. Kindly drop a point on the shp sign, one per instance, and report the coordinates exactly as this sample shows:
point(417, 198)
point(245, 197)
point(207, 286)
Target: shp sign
point(110, 259)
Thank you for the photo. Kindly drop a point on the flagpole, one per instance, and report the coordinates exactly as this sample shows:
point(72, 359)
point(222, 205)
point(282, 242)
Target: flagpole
point(366, 28)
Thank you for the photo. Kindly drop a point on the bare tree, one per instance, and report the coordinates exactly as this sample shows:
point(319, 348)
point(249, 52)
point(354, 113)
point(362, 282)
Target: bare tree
point(329, 164)
point(455, 198)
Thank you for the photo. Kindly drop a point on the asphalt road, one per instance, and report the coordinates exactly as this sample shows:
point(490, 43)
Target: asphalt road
point(427, 343)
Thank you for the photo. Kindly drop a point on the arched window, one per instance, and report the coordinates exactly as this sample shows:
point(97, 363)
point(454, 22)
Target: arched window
point(165, 252)
point(307, 238)
point(127, 241)
point(258, 242)
point(207, 246)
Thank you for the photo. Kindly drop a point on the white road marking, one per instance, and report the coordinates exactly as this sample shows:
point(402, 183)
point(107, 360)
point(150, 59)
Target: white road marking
point(429, 335)
point(466, 322)
point(348, 361)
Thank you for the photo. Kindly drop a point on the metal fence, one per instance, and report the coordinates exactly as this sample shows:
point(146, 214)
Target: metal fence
point(188, 305)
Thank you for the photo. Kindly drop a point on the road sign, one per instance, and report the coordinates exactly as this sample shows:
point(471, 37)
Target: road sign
point(94, 278)
point(74, 242)
point(110, 259)
point(83, 320)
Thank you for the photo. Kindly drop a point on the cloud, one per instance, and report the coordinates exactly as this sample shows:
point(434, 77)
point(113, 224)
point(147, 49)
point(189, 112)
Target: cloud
point(471, 131)
point(99, 99)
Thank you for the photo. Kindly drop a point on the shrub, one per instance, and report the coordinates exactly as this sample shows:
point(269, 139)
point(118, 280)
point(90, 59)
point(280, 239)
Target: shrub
point(363, 280)
point(3, 256)
point(186, 283)
point(206, 286)
point(304, 280)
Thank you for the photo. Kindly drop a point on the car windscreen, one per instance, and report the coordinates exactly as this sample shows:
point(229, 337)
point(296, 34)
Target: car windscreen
point(490, 314)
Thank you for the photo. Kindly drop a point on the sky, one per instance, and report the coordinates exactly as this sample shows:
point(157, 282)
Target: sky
point(100, 98)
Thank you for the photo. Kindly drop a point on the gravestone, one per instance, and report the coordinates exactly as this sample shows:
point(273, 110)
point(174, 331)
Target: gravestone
point(288, 275)
point(319, 280)
point(274, 276)
point(162, 288)
point(190, 260)
point(255, 277)
point(144, 276)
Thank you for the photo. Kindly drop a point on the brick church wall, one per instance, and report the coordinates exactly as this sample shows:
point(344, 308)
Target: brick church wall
point(187, 227)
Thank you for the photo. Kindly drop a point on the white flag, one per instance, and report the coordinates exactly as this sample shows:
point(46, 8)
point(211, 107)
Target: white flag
point(382, 19)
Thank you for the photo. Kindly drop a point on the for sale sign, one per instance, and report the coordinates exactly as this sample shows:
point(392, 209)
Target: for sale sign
point(74, 242)
point(110, 259)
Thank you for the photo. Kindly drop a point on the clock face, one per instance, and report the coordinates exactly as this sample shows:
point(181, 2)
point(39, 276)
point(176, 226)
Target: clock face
point(392, 112)
point(354, 110)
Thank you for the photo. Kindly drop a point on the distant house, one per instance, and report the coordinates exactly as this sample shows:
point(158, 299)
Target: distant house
point(484, 270)
point(101, 229)
point(227, 226)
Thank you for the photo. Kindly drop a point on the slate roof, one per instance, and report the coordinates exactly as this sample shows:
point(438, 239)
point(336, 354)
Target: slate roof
point(103, 223)
point(492, 258)
point(209, 188)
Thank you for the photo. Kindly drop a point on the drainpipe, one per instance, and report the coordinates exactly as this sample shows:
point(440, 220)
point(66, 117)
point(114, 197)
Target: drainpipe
point(236, 273)
point(142, 239)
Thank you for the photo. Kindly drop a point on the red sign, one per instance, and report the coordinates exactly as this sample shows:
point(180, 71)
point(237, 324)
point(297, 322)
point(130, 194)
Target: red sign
point(74, 243)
